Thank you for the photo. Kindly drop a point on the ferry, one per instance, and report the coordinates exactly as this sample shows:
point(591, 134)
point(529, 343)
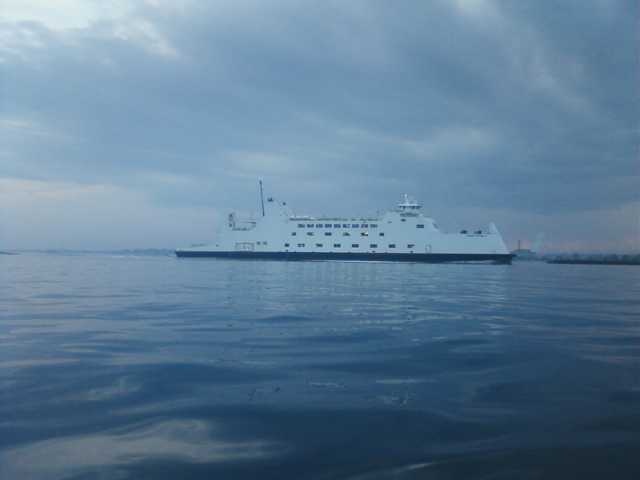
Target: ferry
point(403, 234)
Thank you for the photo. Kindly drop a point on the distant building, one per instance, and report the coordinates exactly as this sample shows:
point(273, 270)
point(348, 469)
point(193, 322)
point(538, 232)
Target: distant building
point(524, 253)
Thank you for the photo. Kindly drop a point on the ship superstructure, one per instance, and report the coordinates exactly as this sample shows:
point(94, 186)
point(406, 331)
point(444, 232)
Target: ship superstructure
point(401, 234)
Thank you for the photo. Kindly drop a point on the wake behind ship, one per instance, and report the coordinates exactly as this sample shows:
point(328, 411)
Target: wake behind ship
point(404, 234)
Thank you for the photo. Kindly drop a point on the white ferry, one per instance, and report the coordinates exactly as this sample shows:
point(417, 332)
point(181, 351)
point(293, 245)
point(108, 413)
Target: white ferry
point(404, 234)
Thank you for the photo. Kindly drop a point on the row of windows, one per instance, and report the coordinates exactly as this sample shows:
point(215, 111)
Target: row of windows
point(347, 225)
point(338, 225)
point(353, 245)
point(344, 234)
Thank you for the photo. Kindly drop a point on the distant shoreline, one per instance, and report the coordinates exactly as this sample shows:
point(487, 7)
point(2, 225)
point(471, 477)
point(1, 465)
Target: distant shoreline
point(594, 262)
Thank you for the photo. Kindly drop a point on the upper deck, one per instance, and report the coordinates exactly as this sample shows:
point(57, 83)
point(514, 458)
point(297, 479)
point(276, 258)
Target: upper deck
point(408, 207)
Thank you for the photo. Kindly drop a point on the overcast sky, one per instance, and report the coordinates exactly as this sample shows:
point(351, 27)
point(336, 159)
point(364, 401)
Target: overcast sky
point(143, 123)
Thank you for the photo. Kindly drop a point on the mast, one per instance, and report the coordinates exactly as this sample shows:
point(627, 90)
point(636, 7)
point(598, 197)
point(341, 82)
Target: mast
point(261, 198)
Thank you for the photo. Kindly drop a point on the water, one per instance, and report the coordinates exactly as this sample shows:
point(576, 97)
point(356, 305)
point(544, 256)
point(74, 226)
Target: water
point(154, 367)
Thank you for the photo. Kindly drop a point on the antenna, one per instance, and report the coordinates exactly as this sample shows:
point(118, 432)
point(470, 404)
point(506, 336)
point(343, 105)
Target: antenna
point(261, 198)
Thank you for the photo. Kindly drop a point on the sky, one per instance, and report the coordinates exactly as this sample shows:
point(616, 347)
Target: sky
point(142, 124)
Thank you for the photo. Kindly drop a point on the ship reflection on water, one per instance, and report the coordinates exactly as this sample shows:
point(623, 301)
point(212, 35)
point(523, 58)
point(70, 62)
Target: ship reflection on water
point(152, 367)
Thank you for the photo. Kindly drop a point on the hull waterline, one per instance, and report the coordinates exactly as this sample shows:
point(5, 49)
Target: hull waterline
point(354, 256)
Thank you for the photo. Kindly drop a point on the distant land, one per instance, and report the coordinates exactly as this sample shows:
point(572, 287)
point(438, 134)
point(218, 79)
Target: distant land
point(126, 251)
point(525, 255)
point(576, 259)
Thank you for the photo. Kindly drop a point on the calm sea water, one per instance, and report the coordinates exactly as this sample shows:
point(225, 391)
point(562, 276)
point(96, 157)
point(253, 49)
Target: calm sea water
point(156, 367)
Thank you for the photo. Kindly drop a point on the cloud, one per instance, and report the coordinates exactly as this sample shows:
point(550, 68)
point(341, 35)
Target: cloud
point(63, 14)
point(468, 105)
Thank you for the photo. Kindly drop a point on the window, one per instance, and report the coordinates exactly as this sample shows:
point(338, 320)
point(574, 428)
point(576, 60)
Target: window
point(365, 225)
point(364, 234)
point(392, 245)
point(345, 225)
point(310, 225)
point(346, 234)
point(336, 225)
point(318, 225)
point(411, 245)
point(310, 234)
point(420, 225)
point(293, 234)
point(286, 245)
point(327, 225)
point(381, 234)
point(373, 225)
point(327, 234)
point(301, 225)
point(319, 245)
point(403, 219)
point(373, 245)
point(463, 231)
point(355, 225)
point(301, 245)
point(336, 245)
point(355, 245)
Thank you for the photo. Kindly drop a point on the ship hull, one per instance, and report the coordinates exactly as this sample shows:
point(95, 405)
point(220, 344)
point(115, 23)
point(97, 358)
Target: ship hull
point(355, 256)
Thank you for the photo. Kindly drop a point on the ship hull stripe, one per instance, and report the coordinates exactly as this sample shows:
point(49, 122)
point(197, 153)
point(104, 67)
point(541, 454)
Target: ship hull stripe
point(359, 256)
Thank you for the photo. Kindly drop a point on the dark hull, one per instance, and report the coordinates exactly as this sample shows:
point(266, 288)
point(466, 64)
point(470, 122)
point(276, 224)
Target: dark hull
point(384, 257)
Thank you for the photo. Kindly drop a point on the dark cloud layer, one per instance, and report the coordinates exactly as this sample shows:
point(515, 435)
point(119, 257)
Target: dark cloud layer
point(530, 108)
